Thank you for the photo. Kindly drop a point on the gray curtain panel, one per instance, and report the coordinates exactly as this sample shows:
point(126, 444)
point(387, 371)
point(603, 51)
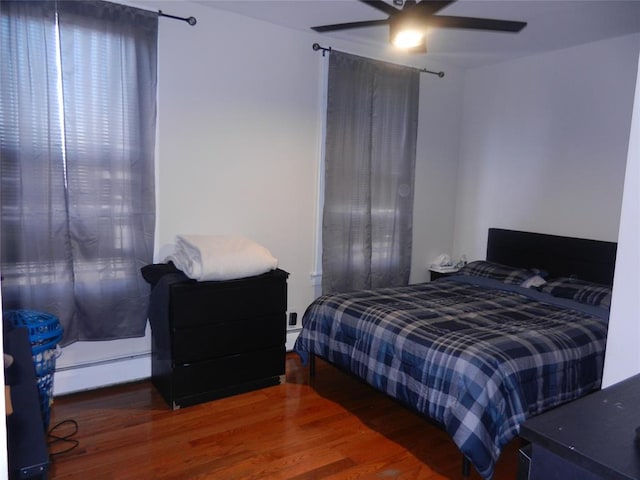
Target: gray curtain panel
point(77, 139)
point(372, 121)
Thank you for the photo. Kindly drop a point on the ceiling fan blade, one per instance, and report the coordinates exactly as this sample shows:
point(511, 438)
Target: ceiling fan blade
point(345, 26)
point(382, 6)
point(442, 21)
point(429, 7)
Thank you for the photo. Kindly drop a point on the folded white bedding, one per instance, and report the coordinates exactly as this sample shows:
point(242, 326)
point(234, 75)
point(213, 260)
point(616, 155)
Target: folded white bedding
point(220, 257)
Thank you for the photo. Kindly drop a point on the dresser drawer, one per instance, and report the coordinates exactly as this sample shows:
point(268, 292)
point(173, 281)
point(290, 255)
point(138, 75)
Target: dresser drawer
point(227, 371)
point(220, 339)
point(194, 304)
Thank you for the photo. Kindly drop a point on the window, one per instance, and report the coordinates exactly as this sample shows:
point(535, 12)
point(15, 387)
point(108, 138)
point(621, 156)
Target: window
point(77, 139)
point(372, 111)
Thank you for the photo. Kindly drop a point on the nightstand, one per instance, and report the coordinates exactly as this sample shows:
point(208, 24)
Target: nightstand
point(437, 271)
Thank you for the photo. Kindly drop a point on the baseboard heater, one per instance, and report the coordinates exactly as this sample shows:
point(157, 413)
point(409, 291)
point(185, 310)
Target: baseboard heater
point(101, 373)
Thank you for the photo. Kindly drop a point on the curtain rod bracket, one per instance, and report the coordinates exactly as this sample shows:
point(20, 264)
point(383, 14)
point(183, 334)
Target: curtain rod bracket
point(190, 20)
point(317, 47)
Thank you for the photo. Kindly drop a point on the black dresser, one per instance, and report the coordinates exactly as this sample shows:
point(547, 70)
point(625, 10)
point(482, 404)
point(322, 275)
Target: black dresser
point(215, 339)
point(591, 438)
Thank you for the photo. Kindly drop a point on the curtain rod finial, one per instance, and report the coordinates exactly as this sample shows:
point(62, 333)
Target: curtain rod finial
point(317, 47)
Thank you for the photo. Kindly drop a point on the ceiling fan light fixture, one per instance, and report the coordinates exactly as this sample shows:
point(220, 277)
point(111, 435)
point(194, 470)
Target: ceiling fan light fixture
point(410, 25)
point(405, 32)
point(408, 39)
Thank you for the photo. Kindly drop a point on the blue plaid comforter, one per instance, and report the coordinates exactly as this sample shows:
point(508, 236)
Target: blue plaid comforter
point(475, 355)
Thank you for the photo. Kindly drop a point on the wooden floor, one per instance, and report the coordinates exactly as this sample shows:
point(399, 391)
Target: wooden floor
point(333, 427)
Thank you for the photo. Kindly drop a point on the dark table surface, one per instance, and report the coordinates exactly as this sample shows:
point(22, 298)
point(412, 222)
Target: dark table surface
point(597, 432)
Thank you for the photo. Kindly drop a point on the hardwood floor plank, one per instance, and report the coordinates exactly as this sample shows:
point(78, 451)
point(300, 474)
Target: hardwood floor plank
point(332, 427)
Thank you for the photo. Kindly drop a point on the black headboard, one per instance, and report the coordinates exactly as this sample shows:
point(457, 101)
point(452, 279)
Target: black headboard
point(592, 260)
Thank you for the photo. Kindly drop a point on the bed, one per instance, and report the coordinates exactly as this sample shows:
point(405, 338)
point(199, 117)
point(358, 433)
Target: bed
point(480, 351)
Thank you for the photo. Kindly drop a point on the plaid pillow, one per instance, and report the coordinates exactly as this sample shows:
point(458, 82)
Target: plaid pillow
point(580, 291)
point(497, 271)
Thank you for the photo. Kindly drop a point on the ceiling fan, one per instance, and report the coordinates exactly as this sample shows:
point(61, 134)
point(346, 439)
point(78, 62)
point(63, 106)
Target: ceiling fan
point(408, 24)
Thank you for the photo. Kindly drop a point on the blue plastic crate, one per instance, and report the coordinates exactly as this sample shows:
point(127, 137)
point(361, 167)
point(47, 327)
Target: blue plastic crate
point(45, 333)
point(43, 328)
point(45, 363)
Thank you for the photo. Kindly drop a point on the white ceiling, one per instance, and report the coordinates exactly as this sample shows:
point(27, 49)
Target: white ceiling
point(552, 24)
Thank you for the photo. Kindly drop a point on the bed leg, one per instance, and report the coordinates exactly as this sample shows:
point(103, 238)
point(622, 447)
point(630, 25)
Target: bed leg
point(312, 365)
point(466, 468)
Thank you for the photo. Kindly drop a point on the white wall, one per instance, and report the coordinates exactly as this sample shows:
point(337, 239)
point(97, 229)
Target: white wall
point(238, 133)
point(239, 137)
point(437, 153)
point(623, 355)
point(544, 144)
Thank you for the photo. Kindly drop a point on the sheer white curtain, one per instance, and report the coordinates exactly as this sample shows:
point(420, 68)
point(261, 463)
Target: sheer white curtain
point(77, 139)
point(372, 118)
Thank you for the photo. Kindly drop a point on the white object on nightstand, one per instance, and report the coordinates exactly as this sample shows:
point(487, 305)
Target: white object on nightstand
point(437, 271)
point(443, 268)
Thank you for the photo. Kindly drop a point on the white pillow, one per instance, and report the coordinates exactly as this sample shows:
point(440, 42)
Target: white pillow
point(221, 257)
point(534, 282)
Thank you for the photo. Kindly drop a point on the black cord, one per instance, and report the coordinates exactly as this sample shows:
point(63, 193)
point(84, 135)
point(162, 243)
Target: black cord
point(63, 438)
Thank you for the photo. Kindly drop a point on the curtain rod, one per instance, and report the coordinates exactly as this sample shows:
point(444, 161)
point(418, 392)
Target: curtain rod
point(190, 20)
point(317, 47)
